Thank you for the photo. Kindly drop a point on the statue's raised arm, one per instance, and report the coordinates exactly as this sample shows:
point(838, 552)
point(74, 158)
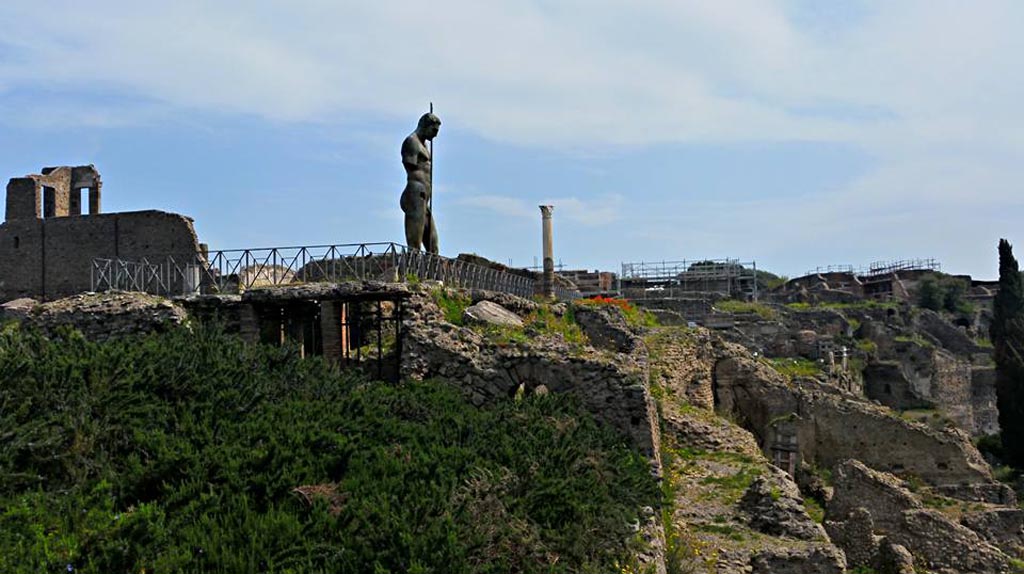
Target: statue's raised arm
point(420, 231)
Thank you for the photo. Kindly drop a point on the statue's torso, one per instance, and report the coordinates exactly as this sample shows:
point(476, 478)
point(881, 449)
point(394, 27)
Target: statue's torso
point(419, 170)
point(416, 159)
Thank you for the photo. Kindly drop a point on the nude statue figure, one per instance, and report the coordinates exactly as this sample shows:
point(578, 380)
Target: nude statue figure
point(420, 230)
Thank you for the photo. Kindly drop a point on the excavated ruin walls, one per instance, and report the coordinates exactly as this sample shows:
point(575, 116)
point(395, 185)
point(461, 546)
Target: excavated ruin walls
point(928, 378)
point(613, 387)
point(832, 428)
point(52, 258)
point(983, 400)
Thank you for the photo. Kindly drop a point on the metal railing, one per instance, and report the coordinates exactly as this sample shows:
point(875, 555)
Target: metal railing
point(831, 269)
point(235, 271)
point(881, 267)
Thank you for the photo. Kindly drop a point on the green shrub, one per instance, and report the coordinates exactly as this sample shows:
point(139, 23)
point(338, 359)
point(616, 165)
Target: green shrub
point(814, 510)
point(868, 346)
point(182, 452)
point(544, 321)
point(941, 292)
point(452, 303)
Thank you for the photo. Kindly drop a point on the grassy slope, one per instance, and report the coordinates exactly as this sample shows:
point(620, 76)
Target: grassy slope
point(182, 453)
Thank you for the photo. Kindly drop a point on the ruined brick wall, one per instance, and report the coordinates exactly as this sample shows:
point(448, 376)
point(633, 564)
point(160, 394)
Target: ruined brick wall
point(983, 400)
point(832, 428)
point(927, 378)
point(24, 199)
point(52, 258)
point(951, 386)
point(21, 258)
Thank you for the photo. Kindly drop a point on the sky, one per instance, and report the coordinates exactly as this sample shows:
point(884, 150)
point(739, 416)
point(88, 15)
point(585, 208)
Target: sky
point(797, 133)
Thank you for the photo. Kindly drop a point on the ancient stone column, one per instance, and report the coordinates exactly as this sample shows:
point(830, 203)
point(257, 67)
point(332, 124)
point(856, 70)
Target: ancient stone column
point(249, 329)
point(331, 330)
point(549, 252)
point(94, 199)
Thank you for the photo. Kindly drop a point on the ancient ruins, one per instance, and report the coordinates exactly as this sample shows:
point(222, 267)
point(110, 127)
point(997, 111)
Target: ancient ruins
point(47, 244)
point(821, 425)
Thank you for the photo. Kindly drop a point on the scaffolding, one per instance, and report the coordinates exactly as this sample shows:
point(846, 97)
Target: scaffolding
point(720, 277)
point(878, 268)
point(832, 269)
point(888, 267)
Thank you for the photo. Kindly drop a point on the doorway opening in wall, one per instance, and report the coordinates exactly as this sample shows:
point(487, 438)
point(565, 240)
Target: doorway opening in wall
point(361, 331)
point(17, 242)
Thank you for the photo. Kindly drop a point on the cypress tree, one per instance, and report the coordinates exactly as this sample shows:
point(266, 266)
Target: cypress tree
point(1007, 334)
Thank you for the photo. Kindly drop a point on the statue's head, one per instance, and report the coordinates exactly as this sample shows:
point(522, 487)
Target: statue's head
point(428, 126)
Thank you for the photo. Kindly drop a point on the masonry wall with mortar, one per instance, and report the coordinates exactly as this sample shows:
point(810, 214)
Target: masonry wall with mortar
point(831, 427)
point(47, 246)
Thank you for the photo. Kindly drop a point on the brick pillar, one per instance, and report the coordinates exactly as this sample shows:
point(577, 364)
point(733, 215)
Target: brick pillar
point(75, 202)
point(24, 199)
point(94, 199)
point(249, 324)
point(331, 331)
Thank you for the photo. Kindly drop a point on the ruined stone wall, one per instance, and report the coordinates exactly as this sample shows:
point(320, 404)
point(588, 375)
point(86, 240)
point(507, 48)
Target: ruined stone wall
point(21, 259)
point(832, 428)
point(52, 258)
point(952, 388)
point(928, 378)
point(613, 387)
point(983, 400)
point(950, 336)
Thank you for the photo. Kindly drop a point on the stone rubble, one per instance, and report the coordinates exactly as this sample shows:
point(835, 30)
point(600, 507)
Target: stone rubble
point(101, 316)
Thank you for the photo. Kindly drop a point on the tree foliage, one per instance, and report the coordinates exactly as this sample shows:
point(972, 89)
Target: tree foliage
point(940, 292)
point(186, 451)
point(1007, 334)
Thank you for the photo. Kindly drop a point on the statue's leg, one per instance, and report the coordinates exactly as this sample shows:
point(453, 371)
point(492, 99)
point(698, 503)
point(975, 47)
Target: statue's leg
point(430, 236)
point(414, 230)
point(415, 216)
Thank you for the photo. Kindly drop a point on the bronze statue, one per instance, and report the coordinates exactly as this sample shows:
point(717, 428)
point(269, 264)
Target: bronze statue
point(416, 198)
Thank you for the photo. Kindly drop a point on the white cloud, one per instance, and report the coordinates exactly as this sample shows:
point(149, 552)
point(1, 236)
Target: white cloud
point(577, 73)
point(931, 88)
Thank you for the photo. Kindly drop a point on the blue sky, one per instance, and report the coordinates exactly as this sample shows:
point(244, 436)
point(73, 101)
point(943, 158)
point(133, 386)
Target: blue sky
point(793, 132)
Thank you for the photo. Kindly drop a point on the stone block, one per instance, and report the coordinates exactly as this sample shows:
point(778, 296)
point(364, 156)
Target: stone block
point(490, 313)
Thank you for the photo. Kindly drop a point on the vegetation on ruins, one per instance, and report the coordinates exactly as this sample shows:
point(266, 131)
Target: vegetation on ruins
point(635, 316)
point(1007, 335)
point(941, 292)
point(453, 303)
point(855, 305)
point(735, 306)
point(766, 280)
point(795, 367)
point(189, 451)
point(543, 321)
